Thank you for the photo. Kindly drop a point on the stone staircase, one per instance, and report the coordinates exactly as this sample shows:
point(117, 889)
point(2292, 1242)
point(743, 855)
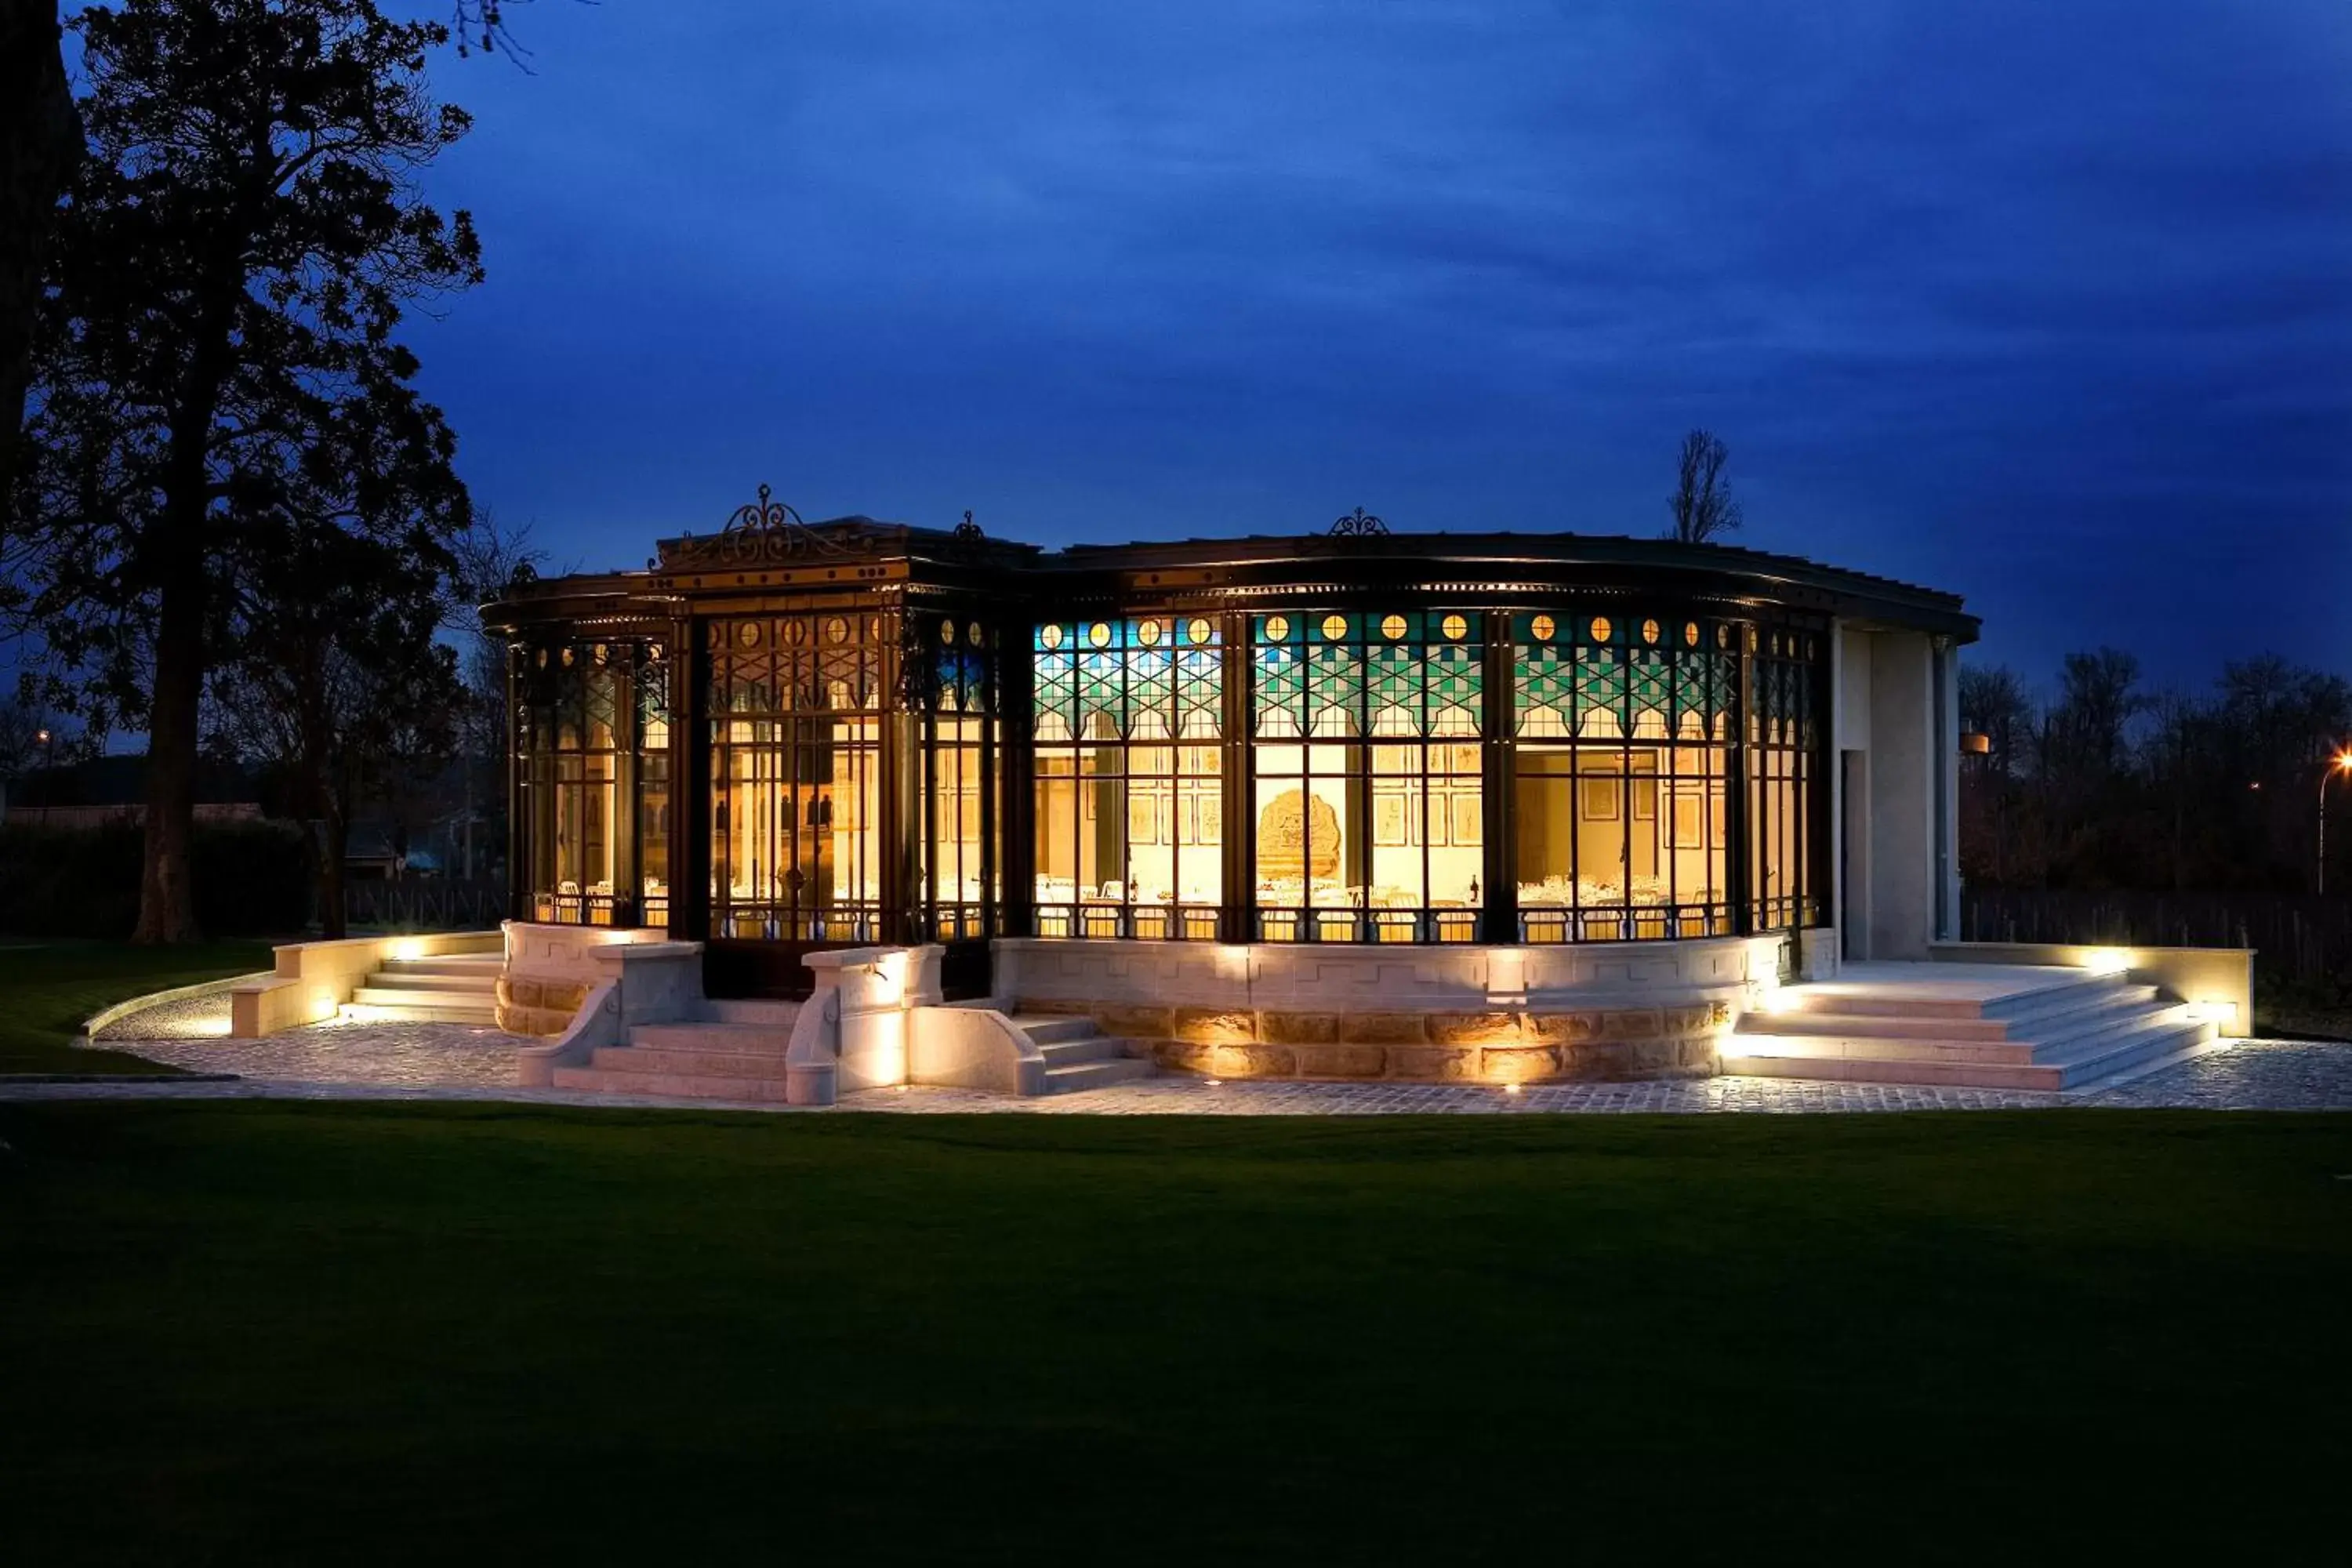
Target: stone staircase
point(2062, 1029)
point(737, 1053)
point(459, 989)
point(1079, 1054)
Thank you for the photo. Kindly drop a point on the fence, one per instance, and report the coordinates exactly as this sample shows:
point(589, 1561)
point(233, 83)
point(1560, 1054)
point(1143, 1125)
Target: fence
point(2295, 937)
point(425, 903)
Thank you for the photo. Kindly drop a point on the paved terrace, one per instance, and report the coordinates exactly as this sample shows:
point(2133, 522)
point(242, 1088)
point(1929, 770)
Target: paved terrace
point(441, 1061)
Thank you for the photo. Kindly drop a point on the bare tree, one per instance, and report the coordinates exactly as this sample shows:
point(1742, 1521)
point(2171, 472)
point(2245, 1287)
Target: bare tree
point(1702, 503)
point(491, 555)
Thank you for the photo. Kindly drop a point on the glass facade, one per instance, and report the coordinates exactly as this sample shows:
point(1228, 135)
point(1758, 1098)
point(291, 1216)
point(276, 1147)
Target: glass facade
point(1620, 782)
point(590, 732)
point(797, 709)
point(1367, 813)
point(1128, 776)
point(1597, 769)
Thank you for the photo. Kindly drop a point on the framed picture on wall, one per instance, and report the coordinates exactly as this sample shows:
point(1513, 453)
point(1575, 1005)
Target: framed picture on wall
point(1469, 831)
point(1685, 831)
point(1188, 820)
point(1143, 819)
point(1213, 819)
point(1599, 799)
point(1645, 800)
point(1389, 819)
point(1714, 822)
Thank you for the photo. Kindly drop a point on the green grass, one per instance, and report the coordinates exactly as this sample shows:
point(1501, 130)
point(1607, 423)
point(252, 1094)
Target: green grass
point(48, 988)
point(251, 1332)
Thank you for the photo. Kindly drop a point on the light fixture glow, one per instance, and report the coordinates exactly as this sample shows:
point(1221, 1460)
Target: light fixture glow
point(1510, 1088)
point(2106, 960)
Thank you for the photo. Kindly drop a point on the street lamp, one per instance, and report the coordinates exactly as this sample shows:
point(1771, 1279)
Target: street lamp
point(2341, 765)
point(48, 744)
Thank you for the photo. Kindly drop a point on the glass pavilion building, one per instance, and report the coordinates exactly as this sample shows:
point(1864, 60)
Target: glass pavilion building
point(785, 737)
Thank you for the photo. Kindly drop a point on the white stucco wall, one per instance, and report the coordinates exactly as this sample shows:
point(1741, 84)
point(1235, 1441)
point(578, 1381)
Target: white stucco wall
point(1902, 748)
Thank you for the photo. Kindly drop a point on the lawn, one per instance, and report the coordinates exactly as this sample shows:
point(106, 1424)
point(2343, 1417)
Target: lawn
point(359, 1333)
point(48, 989)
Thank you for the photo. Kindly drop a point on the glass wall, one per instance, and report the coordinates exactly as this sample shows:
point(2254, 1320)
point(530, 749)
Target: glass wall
point(1620, 791)
point(1365, 782)
point(958, 870)
point(591, 731)
point(1785, 839)
point(1129, 802)
point(796, 710)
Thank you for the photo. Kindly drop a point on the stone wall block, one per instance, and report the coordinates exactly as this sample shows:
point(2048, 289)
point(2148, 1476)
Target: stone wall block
point(1180, 1055)
point(1342, 1061)
point(1216, 1026)
point(1475, 1028)
point(1518, 1064)
point(1432, 1064)
point(1385, 1028)
point(1565, 1028)
point(1252, 1061)
point(1630, 1024)
point(1298, 1029)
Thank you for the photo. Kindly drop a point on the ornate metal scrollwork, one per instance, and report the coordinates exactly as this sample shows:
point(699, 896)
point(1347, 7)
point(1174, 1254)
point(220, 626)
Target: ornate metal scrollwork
point(760, 533)
point(1358, 524)
point(968, 532)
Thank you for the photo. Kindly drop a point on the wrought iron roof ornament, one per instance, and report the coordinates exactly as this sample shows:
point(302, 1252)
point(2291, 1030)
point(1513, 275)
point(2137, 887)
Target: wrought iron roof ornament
point(763, 531)
point(968, 531)
point(1360, 524)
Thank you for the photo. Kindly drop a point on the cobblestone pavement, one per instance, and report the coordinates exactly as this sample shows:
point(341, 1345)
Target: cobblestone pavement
point(444, 1061)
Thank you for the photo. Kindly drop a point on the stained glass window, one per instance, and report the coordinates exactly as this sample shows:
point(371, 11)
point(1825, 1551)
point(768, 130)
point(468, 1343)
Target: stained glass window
point(1129, 802)
point(1621, 804)
point(1366, 806)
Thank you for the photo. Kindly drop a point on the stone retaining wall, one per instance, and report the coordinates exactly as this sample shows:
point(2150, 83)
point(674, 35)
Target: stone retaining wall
point(1484, 1047)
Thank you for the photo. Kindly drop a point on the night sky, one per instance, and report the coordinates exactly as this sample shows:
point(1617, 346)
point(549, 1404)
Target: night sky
point(2050, 306)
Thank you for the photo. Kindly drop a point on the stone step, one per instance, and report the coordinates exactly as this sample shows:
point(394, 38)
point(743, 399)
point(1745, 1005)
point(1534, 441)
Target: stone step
point(734, 1039)
point(2065, 1013)
point(1047, 1027)
point(1844, 1047)
point(1849, 998)
point(2094, 1058)
point(1863, 1069)
point(484, 981)
point(2112, 1055)
point(1091, 1048)
point(690, 1064)
point(756, 1010)
point(467, 963)
point(670, 1086)
point(411, 1002)
point(2201, 1043)
point(1081, 1076)
point(1818, 1021)
point(1974, 1039)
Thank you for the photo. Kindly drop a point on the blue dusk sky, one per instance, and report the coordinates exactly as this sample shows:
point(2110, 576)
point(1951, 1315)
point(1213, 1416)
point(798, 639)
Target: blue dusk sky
point(2049, 305)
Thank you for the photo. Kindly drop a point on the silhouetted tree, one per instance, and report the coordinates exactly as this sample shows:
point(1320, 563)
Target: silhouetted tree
point(40, 139)
point(232, 266)
point(1702, 503)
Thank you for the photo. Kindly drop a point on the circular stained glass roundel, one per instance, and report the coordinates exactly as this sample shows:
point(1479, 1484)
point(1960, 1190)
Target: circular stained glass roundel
point(1277, 628)
point(1723, 636)
point(1543, 627)
point(947, 633)
point(1198, 628)
point(1690, 634)
point(542, 659)
point(567, 658)
point(1147, 633)
point(1392, 627)
point(836, 630)
point(972, 634)
point(1600, 629)
point(1751, 639)
point(1100, 634)
point(1649, 632)
point(1050, 634)
point(1455, 627)
point(796, 631)
point(1334, 627)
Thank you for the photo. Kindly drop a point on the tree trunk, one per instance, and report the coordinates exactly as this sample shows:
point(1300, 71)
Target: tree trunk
point(167, 909)
point(40, 136)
